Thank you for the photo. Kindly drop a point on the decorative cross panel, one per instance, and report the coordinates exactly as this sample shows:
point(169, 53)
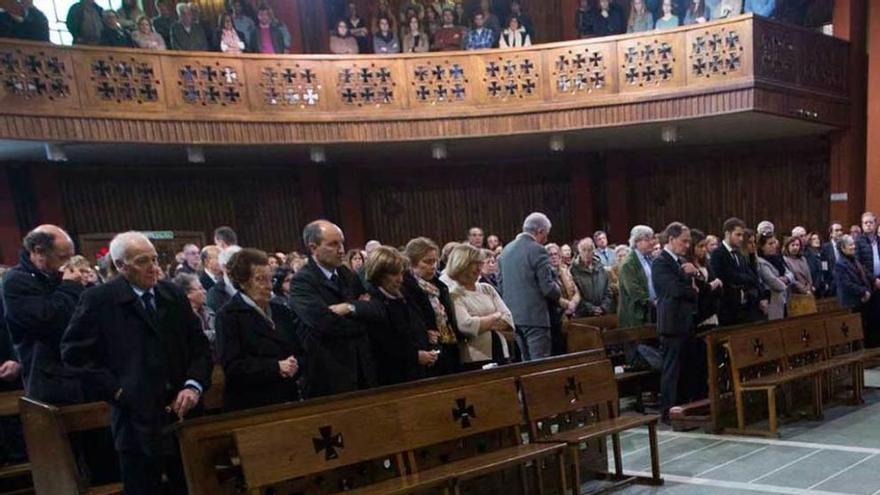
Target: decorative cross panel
point(438, 81)
point(122, 78)
point(34, 74)
point(715, 52)
point(366, 84)
point(775, 53)
point(209, 84)
point(511, 77)
point(820, 66)
point(580, 70)
point(646, 63)
point(290, 85)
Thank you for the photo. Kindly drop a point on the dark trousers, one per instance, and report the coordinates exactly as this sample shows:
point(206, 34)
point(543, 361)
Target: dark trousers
point(871, 320)
point(142, 474)
point(673, 349)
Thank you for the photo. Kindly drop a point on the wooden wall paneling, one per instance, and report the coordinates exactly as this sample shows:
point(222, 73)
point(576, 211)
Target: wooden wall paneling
point(37, 77)
point(786, 182)
point(130, 82)
point(285, 85)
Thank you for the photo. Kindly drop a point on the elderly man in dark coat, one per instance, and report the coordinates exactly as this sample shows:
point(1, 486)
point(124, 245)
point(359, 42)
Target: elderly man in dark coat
point(138, 345)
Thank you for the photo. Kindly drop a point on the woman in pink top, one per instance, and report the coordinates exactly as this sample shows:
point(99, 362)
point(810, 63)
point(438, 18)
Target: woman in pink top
point(229, 39)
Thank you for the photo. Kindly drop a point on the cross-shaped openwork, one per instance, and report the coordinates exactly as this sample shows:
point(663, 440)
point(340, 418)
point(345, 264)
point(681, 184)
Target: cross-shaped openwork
point(494, 88)
point(844, 329)
point(528, 86)
point(366, 76)
point(100, 68)
point(123, 69)
point(492, 69)
point(421, 73)
point(38, 85)
point(308, 75)
point(328, 443)
point(349, 95)
point(289, 76)
point(367, 94)
point(107, 90)
point(441, 92)
point(34, 64)
point(8, 61)
point(209, 73)
point(758, 346)
point(423, 93)
point(187, 73)
point(148, 92)
point(462, 412)
point(573, 389)
point(212, 94)
point(562, 62)
point(511, 87)
point(439, 72)
point(596, 59)
point(732, 39)
point(457, 72)
point(665, 71)
point(526, 66)
point(665, 50)
point(59, 88)
point(384, 74)
point(231, 95)
point(55, 66)
point(805, 336)
point(733, 61)
point(699, 66)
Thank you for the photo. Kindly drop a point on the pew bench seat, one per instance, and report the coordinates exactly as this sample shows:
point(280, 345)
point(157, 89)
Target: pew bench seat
point(451, 473)
point(603, 428)
point(788, 376)
point(111, 489)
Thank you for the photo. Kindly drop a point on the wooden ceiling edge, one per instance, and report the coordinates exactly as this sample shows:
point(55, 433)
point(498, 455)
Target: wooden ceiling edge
point(104, 130)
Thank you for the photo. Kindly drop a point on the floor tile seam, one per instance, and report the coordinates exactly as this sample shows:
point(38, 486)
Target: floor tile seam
point(770, 441)
point(735, 485)
point(739, 458)
point(844, 470)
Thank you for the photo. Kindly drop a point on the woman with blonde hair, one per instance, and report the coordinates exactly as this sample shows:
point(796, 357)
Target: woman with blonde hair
point(640, 19)
point(483, 318)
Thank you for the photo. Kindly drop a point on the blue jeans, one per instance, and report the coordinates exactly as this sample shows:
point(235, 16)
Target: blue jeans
point(534, 342)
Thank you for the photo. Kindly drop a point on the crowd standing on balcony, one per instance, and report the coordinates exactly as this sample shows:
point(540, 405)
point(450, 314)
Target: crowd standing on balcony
point(413, 26)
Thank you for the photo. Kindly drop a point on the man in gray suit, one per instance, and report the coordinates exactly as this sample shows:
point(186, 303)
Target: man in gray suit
point(527, 283)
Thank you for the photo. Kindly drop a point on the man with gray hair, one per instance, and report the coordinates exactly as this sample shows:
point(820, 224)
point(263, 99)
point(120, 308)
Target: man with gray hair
point(637, 295)
point(223, 290)
point(527, 283)
point(137, 345)
point(39, 295)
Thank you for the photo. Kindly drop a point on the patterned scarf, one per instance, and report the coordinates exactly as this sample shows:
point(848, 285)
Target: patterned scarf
point(447, 336)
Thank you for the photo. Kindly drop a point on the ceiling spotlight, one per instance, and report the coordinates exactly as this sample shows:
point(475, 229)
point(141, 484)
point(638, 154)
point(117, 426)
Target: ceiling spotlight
point(557, 143)
point(195, 154)
point(318, 154)
point(669, 134)
point(439, 151)
point(55, 153)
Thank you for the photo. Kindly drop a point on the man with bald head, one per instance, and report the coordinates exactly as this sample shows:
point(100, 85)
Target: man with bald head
point(137, 344)
point(39, 296)
point(325, 297)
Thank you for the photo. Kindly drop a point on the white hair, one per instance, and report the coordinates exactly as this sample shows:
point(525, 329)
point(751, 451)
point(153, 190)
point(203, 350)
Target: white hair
point(766, 227)
point(846, 240)
point(798, 231)
point(226, 255)
point(371, 245)
point(639, 232)
point(536, 222)
point(120, 244)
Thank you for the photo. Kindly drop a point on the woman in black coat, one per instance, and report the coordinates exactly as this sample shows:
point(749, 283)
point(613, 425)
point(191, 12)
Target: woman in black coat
point(422, 286)
point(398, 335)
point(260, 354)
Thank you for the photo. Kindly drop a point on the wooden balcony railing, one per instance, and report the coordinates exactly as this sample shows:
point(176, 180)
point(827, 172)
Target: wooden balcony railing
point(102, 94)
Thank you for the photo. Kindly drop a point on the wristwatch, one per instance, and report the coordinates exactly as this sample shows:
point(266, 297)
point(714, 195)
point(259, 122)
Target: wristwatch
point(351, 308)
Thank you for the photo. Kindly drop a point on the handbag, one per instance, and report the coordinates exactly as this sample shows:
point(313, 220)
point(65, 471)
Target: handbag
point(802, 304)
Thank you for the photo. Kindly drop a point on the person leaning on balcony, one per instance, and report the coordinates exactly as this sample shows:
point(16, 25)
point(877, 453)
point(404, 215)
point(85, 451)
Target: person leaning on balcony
point(697, 13)
point(640, 19)
point(415, 40)
point(668, 19)
point(448, 37)
point(145, 37)
point(187, 33)
point(85, 22)
point(268, 35)
point(515, 36)
point(113, 33)
point(385, 41)
point(341, 41)
point(228, 39)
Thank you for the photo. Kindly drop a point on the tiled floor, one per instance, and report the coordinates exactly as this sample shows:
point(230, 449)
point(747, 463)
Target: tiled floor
point(839, 455)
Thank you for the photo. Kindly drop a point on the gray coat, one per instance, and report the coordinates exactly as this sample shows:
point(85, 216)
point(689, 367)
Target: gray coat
point(527, 281)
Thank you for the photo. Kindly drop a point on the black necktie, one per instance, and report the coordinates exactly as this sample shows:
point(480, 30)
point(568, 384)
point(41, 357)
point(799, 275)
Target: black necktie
point(334, 279)
point(149, 306)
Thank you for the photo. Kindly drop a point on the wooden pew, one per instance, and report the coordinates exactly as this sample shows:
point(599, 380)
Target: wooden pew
point(9, 407)
point(206, 443)
point(562, 399)
point(275, 452)
point(846, 343)
point(722, 407)
point(614, 341)
point(46, 431)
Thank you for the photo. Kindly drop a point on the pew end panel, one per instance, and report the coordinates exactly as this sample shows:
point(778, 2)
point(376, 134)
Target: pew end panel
point(578, 404)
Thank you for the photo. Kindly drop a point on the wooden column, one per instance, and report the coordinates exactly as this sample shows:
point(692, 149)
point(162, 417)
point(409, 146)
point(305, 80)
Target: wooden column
point(848, 146)
point(10, 235)
point(567, 29)
point(872, 171)
point(351, 207)
point(47, 192)
point(583, 196)
point(617, 198)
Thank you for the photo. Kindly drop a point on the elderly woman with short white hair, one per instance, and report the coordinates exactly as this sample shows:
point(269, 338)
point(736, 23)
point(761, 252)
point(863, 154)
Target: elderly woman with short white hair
point(479, 311)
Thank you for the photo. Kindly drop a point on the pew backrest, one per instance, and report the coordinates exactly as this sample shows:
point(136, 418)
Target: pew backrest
point(582, 337)
point(567, 390)
point(9, 402)
point(760, 347)
point(629, 335)
point(603, 322)
point(844, 333)
point(451, 414)
point(804, 341)
point(276, 452)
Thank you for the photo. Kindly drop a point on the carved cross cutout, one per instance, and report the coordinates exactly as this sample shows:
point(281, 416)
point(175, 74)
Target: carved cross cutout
point(231, 95)
point(649, 73)
point(423, 93)
point(458, 91)
point(527, 66)
point(733, 61)
point(561, 63)
point(38, 85)
point(311, 97)
point(648, 53)
point(34, 64)
point(107, 91)
point(187, 73)
point(494, 88)
point(308, 75)
point(457, 72)
point(59, 88)
point(844, 329)
point(564, 83)
point(598, 79)
point(509, 68)
point(492, 69)
point(439, 72)
point(209, 73)
point(123, 69)
point(212, 94)
point(386, 95)
point(665, 71)
point(665, 50)
point(441, 92)
point(579, 61)
point(348, 95)
point(328, 443)
point(421, 73)
point(732, 39)
point(631, 75)
point(463, 412)
point(580, 81)
point(758, 347)
point(366, 76)
point(573, 389)
point(367, 94)
point(384, 74)
point(631, 55)
point(528, 86)
point(595, 59)
point(55, 65)
point(101, 68)
point(289, 76)
point(511, 87)
point(8, 61)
